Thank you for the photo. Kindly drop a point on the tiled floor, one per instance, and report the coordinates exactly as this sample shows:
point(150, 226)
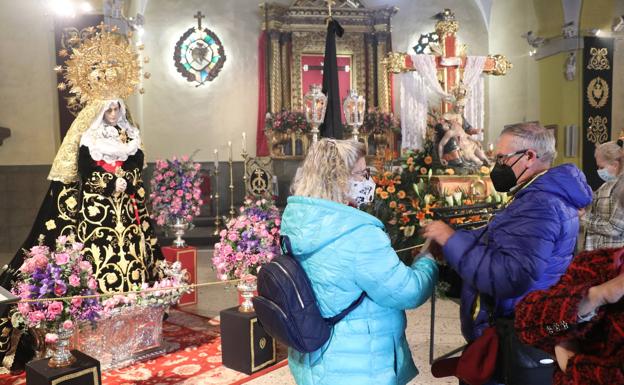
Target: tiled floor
point(212, 299)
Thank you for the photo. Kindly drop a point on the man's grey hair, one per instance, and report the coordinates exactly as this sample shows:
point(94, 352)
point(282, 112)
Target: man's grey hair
point(532, 136)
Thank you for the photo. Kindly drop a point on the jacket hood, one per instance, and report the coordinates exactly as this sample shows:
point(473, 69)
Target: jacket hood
point(565, 181)
point(312, 223)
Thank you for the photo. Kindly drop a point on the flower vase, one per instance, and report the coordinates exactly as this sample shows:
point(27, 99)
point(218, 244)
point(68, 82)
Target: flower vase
point(179, 226)
point(246, 289)
point(61, 355)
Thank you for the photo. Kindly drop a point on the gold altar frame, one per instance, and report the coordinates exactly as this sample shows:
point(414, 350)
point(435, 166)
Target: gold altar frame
point(300, 28)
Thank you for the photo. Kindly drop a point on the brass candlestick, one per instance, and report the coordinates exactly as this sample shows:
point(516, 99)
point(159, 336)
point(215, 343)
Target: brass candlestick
point(244, 155)
point(232, 212)
point(216, 198)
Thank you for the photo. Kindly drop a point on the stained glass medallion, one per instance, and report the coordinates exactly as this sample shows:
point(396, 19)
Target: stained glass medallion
point(199, 54)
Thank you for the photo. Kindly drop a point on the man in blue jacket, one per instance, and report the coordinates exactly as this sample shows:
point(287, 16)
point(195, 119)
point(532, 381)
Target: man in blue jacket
point(529, 244)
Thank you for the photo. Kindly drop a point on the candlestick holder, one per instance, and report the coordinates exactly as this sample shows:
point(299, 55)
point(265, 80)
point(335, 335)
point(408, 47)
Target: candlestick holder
point(232, 211)
point(245, 155)
point(216, 201)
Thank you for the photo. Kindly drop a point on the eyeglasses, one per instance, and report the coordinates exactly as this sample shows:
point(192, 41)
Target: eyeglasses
point(366, 173)
point(500, 158)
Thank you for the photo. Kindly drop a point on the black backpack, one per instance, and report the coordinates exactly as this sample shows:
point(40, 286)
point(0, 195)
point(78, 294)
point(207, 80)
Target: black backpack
point(286, 306)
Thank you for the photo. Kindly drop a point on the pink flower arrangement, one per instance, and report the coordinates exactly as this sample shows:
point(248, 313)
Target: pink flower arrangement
point(376, 122)
point(288, 121)
point(176, 191)
point(249, 241)
point(61, 273)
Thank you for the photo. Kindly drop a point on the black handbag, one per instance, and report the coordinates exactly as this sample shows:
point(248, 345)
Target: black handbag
point(518, 363)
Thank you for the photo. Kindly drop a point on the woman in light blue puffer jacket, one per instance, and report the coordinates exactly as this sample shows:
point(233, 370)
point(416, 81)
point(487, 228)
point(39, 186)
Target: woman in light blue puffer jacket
point(345, 251)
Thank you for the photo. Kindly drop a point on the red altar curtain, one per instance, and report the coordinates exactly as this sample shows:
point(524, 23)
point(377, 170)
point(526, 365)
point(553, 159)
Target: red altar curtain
point(262, 148)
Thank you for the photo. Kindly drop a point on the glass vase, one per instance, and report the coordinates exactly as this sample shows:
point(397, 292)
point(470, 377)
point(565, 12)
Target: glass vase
point(61, 355)
point(247, 287)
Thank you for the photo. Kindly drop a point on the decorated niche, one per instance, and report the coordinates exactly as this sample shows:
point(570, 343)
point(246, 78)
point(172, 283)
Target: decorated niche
point(199, 54)
point(295, 53)
point(297, 45)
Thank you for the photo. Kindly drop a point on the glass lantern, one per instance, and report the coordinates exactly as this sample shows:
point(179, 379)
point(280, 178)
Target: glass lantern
point(315, 104)
point(354, 107)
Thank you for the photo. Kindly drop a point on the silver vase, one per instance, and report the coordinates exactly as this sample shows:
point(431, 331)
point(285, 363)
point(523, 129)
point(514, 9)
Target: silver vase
point(179, 226)
point(246, 289)
point(61, 355)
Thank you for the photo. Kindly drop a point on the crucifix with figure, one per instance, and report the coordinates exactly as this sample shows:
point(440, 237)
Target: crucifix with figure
point(452, 67)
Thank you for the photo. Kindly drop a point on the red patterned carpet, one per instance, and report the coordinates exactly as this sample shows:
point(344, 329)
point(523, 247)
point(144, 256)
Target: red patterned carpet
point(193, 358)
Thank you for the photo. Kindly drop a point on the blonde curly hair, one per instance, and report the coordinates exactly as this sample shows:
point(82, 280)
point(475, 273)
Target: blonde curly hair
point(326, 170)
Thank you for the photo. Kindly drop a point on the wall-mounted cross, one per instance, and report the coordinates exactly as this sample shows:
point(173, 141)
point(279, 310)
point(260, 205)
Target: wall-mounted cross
point(199, 17)
point(329, 6)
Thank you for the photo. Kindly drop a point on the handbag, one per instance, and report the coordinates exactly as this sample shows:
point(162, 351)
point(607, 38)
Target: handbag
point(520, 364)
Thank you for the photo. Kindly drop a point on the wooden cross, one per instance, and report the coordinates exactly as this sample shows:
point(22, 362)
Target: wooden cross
point(449, 65)
point(199, 18)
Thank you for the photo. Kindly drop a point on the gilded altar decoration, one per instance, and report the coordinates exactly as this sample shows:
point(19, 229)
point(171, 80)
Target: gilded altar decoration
point(598, 92)
point(199, 54)
point(599, 60)
point(597, 130)
point(501, 66)
point(447, 25)
point(260, 178)
point(395, 62)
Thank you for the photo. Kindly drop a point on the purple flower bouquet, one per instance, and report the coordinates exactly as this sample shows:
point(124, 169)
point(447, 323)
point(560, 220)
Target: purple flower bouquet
point(249, 241)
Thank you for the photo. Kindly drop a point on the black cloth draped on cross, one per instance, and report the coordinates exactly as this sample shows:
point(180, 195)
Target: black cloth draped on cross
point(332, 126)
point(115, 228)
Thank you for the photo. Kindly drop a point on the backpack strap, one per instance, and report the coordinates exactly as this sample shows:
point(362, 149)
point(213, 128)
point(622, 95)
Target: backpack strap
point(287, 250)
point(335, 319)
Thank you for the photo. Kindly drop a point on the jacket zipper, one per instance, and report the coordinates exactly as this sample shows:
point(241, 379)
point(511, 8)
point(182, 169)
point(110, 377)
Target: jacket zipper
point(293, 283)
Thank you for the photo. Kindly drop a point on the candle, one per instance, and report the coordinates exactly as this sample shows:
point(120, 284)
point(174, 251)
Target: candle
point(491, 147)
point(216, 161)
point(230, 148)
point(244, 142)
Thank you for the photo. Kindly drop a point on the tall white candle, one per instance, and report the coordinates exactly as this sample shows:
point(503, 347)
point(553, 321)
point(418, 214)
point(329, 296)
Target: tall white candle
point(230, 148)
point(216, 160)
point(244, 142)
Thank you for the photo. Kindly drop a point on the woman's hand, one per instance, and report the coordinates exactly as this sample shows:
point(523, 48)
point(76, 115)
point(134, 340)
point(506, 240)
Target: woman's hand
point(564, 351)
point(609, 292)
point(438, 231)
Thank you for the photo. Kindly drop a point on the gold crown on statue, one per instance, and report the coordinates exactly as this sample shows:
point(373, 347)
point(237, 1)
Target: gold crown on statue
point(104, 66)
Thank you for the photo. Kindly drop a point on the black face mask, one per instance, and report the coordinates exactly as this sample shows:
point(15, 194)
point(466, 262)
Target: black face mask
point(503, 177)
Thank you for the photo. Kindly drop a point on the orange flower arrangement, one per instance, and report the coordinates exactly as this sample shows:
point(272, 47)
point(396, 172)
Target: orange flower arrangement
point(410, 160)
point(392, 204)
point(423, 170)
point(428, 160)
point(383, 195)
point(401, 207)
point(450, 171)
point(391, 189)
point(420, 216)
point(401, 194)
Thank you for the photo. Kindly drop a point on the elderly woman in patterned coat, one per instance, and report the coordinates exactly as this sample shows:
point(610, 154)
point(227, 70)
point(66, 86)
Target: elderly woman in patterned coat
point(580, 320)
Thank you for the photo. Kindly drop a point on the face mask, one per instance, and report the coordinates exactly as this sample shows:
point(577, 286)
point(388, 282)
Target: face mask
point(605, 175)
point(362, 192)
point(503, 177)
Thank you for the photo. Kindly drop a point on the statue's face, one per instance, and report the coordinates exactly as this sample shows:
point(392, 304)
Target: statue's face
point(111, 116)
